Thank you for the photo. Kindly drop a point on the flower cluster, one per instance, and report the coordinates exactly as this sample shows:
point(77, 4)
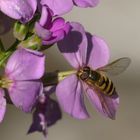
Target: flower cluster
point(38, 25)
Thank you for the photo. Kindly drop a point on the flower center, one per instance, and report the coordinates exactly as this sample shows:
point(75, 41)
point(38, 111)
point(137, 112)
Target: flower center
point(5, 82)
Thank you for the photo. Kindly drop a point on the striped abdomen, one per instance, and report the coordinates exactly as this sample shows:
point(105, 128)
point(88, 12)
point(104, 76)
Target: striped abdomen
point(101, 82)
point(97, 80)
point(105, 85)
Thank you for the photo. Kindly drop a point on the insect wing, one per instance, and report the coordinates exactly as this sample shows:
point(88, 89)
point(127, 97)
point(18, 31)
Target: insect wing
point(104, 104)
point(117, 66)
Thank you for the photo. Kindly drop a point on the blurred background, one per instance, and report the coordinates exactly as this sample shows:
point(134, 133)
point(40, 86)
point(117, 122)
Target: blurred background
point(118, 22)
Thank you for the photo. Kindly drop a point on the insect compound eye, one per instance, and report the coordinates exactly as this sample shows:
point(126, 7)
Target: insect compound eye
point(83, 73)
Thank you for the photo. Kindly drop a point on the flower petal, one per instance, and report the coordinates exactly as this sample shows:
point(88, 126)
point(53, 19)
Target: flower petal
point(46, 16)
point(47, 113)
point(86, 3)
point(39, 124)
point(25, 64)
point(17, 9)
point(106, 105)
point(24, 94)
point(70, 97)
point(59, 7)
point(56, 36)
point(98, 52)
point(2, 105)
point(59, 29)
point(74, 46)
point(42, 32)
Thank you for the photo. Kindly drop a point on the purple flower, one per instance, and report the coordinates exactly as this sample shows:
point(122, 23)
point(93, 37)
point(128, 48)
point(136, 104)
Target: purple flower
point(22, 73)
point(46, 114)
point(2, 105)
point(60, 7)
point(22, 10)
point(82, 50)
point(86, 3)
point(51, 31)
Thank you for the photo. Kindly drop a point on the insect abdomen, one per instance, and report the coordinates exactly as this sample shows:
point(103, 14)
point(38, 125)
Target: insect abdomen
point(106, 85)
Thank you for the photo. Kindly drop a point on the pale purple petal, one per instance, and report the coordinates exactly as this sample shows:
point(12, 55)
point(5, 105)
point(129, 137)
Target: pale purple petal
point(107, 106)
point(42, 32)
point(2, 105)
point(24, 94)
point(25, 65)
point(70, 97)
point(86, 3)
point(17, 9)
point(74, 46)
point(98, 52)
point(59, 7)
point(46, 17)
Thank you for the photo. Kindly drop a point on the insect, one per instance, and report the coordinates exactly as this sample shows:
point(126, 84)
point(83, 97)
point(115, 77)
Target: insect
point(98, 80)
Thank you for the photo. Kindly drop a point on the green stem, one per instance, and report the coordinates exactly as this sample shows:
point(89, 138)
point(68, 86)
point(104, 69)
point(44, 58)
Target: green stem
point(1, 46)
point(5, 55)
point(53, 78)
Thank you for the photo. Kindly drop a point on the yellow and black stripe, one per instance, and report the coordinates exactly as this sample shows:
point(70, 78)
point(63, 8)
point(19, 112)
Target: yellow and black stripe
point(97, 79)
point(106, 85)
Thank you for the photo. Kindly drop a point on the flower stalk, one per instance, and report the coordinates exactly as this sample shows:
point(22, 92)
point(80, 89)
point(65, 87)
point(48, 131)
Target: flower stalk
point(53, 78)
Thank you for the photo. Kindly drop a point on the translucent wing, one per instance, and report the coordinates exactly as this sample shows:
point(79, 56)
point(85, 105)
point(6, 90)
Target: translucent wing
point(106, 105)
point(117, 66)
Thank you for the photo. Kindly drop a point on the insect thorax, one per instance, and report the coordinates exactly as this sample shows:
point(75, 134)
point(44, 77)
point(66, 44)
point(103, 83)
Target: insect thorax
point(87, 74)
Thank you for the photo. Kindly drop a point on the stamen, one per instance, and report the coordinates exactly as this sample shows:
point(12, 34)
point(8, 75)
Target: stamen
point(5, 82)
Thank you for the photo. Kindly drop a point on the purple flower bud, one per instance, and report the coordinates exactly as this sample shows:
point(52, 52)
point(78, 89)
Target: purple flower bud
point(51, 31)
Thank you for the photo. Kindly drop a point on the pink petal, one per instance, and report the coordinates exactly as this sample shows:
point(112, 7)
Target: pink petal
point(98, 52)
point(86, 3)
point(25, 65)
point(57, 24)
point(74, 46)
point(58, 7)
point(24, 94)
point(2, 105)
point(70, 96)
point(107, 106)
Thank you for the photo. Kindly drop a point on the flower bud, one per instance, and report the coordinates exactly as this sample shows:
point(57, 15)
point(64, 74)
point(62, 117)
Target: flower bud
point(33, 42)
point(20, 30)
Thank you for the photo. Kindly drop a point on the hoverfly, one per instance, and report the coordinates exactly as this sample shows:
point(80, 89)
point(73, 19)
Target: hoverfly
point(97, 79)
